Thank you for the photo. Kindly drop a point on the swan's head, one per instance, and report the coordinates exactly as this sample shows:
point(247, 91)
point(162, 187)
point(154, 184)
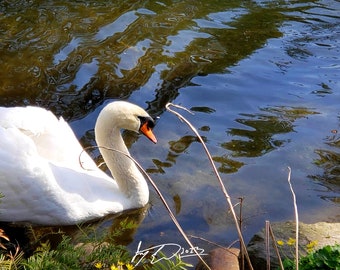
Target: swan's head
point(125, 115)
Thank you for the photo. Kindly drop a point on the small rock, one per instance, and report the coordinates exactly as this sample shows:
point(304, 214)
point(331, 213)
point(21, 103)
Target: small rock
point(221, 259)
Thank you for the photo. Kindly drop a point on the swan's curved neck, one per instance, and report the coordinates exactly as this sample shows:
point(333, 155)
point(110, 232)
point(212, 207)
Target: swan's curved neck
point(129, 179)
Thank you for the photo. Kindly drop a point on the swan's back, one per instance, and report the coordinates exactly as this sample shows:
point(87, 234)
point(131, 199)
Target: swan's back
point(52, 138)
point(40, 174)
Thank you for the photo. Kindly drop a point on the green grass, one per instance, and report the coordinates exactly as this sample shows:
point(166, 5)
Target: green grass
point(89, 254)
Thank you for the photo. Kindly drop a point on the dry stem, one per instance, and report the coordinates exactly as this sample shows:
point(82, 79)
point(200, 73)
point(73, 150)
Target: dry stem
point(275, 246)
point(183, 119)
point(296, 221)
point(172, 216)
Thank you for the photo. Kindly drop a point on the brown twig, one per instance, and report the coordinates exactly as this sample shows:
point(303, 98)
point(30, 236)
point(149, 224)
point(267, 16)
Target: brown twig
point(267, 244)
point(275, 246)
point(242, 266)
point(183, 119)
point(172, 216)
point(213, 243)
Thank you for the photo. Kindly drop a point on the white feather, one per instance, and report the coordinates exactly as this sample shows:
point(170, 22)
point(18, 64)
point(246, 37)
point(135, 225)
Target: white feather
point(40, 175)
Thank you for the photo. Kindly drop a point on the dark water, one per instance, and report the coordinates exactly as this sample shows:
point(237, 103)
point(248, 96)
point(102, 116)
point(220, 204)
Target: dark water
point(261, 76)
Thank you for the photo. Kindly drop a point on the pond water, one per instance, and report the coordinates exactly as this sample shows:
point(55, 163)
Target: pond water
point(262, 78)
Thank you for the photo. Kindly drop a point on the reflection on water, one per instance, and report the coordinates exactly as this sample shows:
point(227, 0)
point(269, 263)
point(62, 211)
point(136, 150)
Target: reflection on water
point(261, 135)
point(175, 149)
point(61, 55)
point(262, 78)
point(329, 161)
point(118, 229)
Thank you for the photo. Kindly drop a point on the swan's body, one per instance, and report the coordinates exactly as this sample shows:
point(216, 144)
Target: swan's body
point(42, 180)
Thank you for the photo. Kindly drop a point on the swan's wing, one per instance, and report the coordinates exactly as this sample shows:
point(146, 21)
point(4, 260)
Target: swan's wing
point(40, 174)
point(52, 137)
point(24, 179)
point(43, 192)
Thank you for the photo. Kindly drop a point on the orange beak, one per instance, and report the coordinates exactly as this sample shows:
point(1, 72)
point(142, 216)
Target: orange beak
point(147, 131)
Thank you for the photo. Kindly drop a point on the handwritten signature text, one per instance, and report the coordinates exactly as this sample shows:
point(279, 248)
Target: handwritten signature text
point(168, 251)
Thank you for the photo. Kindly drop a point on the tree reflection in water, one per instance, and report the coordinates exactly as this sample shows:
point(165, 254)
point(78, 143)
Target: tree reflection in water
point(260, 136)
point(329, 162)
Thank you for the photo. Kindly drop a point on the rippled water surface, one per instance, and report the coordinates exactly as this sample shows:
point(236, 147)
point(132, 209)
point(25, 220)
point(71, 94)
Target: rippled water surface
point(262, 78)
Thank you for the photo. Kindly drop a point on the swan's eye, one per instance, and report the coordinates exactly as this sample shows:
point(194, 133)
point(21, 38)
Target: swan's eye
point(148, 121)
point(146, 126)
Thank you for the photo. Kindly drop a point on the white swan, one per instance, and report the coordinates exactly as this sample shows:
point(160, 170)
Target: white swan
point(42, 180)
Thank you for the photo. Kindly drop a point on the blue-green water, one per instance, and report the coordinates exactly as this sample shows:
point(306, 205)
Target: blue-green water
point(262, 78)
